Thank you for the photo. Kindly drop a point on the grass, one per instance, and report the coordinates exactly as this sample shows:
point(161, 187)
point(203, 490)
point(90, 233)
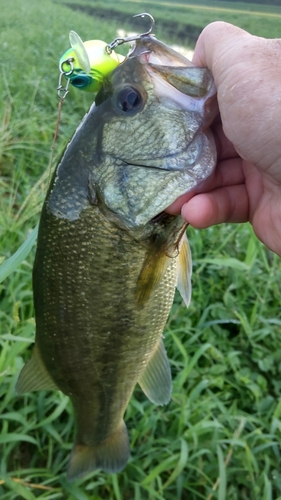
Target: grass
point(220, 435)
point(183, 20)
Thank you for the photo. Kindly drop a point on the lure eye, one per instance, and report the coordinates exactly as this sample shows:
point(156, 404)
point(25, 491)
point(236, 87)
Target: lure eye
point(129, 99)
point(81, 81)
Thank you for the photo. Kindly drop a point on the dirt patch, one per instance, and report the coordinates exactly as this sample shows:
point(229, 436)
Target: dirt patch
point(184, 34)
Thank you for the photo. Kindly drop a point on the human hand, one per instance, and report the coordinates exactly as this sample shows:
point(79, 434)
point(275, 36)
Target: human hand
point(246, 184)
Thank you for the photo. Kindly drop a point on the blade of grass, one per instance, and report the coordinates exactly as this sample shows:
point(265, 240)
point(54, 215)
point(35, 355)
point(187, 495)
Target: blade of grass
point(180, 465)
point(11, 264)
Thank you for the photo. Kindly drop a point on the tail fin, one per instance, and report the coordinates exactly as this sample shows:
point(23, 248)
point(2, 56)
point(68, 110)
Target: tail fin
point(111, 455)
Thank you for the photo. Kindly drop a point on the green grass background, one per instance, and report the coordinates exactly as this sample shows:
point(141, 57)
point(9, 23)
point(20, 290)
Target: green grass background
point(219, 438)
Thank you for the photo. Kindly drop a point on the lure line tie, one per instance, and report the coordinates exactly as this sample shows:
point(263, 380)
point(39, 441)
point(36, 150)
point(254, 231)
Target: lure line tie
point(63, 90)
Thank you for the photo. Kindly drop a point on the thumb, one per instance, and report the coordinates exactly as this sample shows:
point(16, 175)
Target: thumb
point(245, 71)
point(216, 45)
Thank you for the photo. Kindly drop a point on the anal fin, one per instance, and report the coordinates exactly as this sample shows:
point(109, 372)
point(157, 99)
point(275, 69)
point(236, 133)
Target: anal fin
point(110, 455)
point(34, 376)
point(156, 380)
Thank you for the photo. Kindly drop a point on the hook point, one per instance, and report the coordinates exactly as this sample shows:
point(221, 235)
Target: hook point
point(146, 14)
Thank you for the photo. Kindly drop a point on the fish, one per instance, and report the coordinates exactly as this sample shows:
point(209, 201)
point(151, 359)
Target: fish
point(109, 257)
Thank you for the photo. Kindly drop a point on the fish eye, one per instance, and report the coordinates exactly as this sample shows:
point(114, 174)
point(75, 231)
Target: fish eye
point(129, 99)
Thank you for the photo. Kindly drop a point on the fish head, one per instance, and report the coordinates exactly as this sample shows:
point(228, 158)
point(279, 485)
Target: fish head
point(144, 142)
point(154, 139)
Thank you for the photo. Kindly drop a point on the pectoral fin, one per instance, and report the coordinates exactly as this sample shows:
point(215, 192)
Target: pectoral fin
point(162, 249)
point(184, 271)
point(150, 276)
point(156, 381)
point(34, 376)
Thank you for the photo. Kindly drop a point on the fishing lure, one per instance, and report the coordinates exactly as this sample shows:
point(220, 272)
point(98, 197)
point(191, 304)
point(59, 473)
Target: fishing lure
point(86, 64)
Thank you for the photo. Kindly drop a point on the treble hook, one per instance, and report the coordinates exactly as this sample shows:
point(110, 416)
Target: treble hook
point(119, 41)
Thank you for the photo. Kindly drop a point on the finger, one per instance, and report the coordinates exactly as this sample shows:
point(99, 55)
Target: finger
point(225, 148)
point(229, 204)
point(227, 173)
point(244, 70)
point(213, 46)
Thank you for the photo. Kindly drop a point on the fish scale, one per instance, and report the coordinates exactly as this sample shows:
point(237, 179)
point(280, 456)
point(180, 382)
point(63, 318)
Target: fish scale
point(111, 310)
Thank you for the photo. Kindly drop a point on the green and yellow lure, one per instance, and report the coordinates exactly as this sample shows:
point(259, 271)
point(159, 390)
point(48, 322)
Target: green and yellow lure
point(86, 64)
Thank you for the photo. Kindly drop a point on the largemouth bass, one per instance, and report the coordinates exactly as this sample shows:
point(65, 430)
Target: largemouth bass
point(108, 256)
